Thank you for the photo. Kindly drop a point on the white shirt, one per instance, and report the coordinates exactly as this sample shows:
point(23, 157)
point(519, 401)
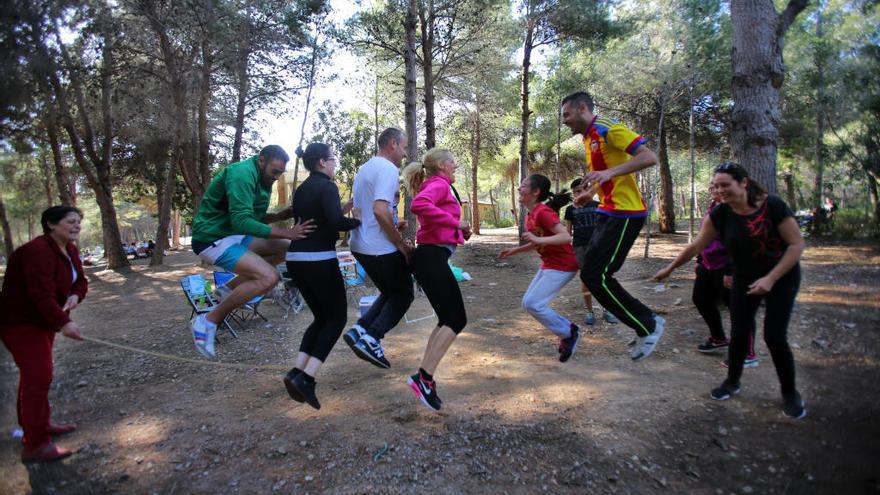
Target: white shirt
point(378, 179)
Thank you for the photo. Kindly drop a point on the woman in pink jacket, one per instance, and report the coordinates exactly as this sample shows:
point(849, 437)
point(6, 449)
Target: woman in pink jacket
point(441, 230)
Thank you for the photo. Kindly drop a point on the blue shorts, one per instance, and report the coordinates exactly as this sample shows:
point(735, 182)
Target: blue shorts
point(226, 252)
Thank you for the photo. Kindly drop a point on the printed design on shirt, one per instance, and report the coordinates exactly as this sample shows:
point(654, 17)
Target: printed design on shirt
point(533, 227)
point(759, 231)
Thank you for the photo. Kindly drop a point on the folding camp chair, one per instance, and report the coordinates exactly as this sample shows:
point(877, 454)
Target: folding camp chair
point(200, 299)
point(247, 311)
point(286, 294)
point(353, 275)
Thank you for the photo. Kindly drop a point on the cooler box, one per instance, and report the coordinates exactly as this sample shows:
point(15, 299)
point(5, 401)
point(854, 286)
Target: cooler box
point(366, 303)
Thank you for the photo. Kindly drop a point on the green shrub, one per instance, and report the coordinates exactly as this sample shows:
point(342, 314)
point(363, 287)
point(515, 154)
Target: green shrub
point(502, 223)
point(850, 223)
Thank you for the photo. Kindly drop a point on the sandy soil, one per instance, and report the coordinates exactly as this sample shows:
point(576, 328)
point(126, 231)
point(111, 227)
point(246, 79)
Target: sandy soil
point(514, 419)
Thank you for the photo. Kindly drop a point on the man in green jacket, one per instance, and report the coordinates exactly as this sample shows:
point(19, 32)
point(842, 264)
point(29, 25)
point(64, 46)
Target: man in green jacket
point(231, 231)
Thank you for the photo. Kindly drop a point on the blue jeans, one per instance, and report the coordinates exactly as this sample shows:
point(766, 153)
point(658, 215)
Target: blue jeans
point(542, 290)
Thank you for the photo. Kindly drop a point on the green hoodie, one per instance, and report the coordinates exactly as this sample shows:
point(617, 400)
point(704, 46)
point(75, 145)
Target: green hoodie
point(234, 204)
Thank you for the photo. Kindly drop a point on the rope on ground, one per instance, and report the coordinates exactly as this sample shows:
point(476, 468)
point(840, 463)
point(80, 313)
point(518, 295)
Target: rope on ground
point(169, 357)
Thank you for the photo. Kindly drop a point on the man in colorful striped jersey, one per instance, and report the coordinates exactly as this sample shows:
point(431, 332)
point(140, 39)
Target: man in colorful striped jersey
point(613, 154)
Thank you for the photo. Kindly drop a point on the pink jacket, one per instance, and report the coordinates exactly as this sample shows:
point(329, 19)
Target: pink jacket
point(438, 212)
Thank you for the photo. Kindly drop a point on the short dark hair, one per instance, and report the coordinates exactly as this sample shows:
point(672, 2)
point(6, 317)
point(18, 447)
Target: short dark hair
point(576, 183)
point(274, 152)
point(577, 98)
point(54, 214)
point(313, 154)
point(389, 134)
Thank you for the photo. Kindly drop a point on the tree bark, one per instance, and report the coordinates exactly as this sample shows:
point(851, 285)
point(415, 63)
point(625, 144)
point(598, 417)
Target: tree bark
point(409, 94)
point(666, 199)
point(758, 74)
point(818, 220)
point(164, 195)
point(204, 146)
point(243, 86)
point(47, 178)
point(175, 229)
point(788, 180)
point(525, 112)
point(475, 162)
point(8, 245)
point(426, 21)
point(873, 197)
point(66, 187)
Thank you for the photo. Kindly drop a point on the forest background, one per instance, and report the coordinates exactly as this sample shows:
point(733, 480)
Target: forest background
point(127, 108)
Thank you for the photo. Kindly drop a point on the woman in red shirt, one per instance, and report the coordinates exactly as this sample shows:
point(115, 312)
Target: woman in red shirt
point(44, 281)
point(546, 235)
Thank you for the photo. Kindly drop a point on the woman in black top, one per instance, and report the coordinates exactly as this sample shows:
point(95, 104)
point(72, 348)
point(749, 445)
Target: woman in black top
point(312, 264)
point(765, 244)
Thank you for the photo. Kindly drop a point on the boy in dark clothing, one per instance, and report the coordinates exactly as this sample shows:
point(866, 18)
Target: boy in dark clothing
point(581, 222)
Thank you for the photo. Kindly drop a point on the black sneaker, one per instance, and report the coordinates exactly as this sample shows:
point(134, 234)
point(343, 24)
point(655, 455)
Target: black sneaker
point(568, 345)
point(371, 351)
point(288, 384)
point(351, 337)
point(725, 391)
point(306, 388)
point(794, 406)
point(425, 390)
point(713, 346)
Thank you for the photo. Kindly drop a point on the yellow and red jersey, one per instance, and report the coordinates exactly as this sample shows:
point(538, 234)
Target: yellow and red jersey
point(608, 144)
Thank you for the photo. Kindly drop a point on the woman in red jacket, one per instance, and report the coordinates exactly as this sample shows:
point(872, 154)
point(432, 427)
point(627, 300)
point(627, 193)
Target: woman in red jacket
point(44, 281)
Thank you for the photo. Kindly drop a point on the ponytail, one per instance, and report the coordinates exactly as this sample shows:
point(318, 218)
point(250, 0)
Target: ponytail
point(416, 172)
point(542, 184)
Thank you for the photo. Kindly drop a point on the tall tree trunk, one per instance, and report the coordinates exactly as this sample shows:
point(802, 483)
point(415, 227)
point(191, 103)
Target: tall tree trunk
point(476, 146)
point(175, 229)
point(513, 200)
point(666, 199)
point(758, 74)
point(874, 199)
point(8, 245)
point(66, 187)
point(242, 88)
point(165, 193)
point(409, 95)
point(818, 56)
point(204, 140)
point(525, 112)
point(788, 180)
point(426, 21)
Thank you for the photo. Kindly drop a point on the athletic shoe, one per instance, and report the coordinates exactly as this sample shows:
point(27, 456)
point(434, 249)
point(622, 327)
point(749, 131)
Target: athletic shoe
point(610, 318)
point(646, 345)
point(370, 350)
point(353, 335)
point(291, 389)
point(713, 346)
point(199, 328)
point(590, 319)
point(794, 406)
point(750, 362)
point(306, 388)
point(47, 452)
point(425, 390)
point(725, 391)
point(568, 345)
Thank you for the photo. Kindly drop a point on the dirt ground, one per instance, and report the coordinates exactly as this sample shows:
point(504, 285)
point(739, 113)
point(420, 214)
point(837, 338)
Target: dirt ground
point(514, 419)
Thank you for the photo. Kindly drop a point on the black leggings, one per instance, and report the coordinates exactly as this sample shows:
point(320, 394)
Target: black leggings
point(779, 304)
point(429, 264)
point(321, 285)
point(709, 290)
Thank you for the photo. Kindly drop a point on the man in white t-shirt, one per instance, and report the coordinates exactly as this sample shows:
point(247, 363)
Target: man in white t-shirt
point(379, 247)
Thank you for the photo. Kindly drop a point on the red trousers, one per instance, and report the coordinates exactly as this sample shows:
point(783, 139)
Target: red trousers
point(31, 348)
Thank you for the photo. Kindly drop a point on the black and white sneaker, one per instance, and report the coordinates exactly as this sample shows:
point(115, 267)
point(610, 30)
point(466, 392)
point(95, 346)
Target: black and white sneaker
point(425, 390)
point(353, 335)
point(371, 351)
point(568, 345)
point(725, 391)
point(794, 406)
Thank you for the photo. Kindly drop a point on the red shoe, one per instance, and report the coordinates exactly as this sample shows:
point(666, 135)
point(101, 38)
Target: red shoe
point(57, 430)
point(47, 452)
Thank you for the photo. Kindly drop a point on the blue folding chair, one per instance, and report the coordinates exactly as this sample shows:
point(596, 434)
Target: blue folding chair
point(247, 311)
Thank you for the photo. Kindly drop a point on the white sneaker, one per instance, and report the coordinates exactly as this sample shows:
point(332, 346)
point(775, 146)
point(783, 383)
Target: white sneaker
point(198, 327)
point(645, 345)
point(210, 333)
